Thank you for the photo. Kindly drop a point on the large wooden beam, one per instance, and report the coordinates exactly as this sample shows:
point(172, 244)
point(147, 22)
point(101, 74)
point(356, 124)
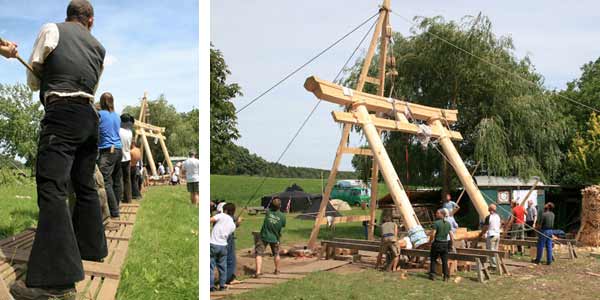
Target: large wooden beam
point(392, 125)
point(334, 93)
point(147, 126)
point(148, 153)
point(461, 170)
point(345, 219)
point(409, 218)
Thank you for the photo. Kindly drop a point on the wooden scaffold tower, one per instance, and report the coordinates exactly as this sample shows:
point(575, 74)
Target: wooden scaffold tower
point(435, 124)
point(143, 131)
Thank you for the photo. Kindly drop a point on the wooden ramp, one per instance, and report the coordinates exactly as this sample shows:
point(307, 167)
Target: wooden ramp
point(101, 279)
point(268, 280)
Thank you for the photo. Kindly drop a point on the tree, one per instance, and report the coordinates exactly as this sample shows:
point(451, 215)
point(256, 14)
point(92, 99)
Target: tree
point(181, 129)
point(512, 126)
point(583, 158)
point(20, 117)
point(223, 120)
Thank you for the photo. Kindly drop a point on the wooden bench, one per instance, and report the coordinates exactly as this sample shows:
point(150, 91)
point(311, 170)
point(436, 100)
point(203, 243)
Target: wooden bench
point(532, 242)
point(254, 210)
point(374, 246)
point(498, 255)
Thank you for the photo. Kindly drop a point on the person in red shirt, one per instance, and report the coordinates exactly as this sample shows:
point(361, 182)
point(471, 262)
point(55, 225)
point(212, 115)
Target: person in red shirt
point(517, 220)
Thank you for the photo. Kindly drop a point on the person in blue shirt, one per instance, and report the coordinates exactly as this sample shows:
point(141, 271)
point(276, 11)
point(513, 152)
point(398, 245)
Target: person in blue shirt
point(110, 152)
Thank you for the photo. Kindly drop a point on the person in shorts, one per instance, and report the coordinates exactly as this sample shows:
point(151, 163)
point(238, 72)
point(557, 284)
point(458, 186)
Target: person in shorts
point(270, 235)
point(191, 169)
point(389, 238)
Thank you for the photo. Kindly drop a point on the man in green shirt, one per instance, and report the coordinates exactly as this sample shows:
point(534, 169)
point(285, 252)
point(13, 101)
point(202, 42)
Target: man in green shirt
point(270, 234)
point(439, 245)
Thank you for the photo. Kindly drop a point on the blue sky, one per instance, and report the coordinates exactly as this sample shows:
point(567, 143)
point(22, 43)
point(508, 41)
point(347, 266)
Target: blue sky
point(264, 40)
point(151, 46)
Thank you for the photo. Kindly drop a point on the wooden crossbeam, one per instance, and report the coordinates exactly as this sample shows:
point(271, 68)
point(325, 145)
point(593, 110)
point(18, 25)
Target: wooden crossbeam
point(402, 126)
point(140, 124)
point(346, 219)
point(357, 151)
point(153, 135)
point(334, 93)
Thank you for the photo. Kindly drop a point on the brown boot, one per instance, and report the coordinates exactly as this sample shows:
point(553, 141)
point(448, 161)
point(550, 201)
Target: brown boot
point(21, 292)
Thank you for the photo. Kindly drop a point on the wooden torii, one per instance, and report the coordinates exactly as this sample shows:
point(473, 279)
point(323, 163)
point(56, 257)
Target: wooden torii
point(359, 104)
point(144, 130)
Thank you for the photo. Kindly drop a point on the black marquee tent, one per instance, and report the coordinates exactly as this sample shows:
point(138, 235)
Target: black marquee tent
point(294, 199)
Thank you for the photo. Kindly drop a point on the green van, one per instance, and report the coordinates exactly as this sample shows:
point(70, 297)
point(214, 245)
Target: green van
point(353, 194)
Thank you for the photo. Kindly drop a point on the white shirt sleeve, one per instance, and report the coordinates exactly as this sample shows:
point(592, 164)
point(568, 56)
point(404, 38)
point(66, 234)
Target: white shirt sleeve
point(45, 43)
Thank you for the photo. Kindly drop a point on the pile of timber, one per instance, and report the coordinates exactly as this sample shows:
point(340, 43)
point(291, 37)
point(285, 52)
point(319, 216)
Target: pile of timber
point(589, 231)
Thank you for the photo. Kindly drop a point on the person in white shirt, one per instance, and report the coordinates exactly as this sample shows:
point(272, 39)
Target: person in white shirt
point(68, 60)
point(191, 170)
point(161, 169)
point(175, 174)
point(223, 227)
point(126, 137)
point(491, 231)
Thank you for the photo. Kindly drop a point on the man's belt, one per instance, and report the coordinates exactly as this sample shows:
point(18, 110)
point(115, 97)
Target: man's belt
point(54, 99)
point(388, 235)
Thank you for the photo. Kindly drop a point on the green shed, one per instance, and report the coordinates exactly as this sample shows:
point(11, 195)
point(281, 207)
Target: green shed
point(502, 190)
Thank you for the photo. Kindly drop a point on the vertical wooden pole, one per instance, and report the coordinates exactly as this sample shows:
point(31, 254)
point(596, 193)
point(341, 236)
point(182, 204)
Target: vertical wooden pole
point(148, 152)
point(142, 119)
point(416, 232)
point(330, 182)
point(384, 38)
point(461, 170)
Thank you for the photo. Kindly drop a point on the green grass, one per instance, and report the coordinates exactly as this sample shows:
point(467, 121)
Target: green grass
point(162, 262)
point(238, 189)
point(564, 280)
point(18, 208)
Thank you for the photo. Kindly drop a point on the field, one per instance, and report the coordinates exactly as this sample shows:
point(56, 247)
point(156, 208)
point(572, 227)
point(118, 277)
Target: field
point(564, 280)
point(162, 262)
point(238, 189)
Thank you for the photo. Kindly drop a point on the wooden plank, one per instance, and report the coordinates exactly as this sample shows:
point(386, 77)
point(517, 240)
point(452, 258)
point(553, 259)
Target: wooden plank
point(249, 286)
point(334, 93)
point(346, 219)
point(263, 280)
point(393, 125)
point(101, 269)
point(357, 151)
point(372, 80)
point(312, 240)
point(489, 253)
point(4, 293)
point(354, 246)
point(108, 290)
point(316, 266)
point(283, 275)
point(451, 255)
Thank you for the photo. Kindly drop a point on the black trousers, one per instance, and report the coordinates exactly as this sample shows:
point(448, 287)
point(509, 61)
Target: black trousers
point(135, 186)
point(439, 249)
point(530, 232)
point(126, 181)
point(110, 167)
point(67, 150)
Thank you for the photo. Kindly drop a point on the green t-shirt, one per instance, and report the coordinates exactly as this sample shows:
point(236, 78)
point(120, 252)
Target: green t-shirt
point(442, 228)
point(271, 228)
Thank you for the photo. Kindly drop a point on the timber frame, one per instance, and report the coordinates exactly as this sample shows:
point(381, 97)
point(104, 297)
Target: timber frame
point(359, 104)
point(143, 131)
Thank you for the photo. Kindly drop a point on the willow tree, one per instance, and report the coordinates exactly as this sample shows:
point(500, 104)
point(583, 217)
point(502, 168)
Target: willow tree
point(509, 122)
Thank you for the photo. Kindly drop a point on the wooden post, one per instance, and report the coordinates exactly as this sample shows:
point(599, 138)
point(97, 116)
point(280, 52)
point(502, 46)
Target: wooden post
point(373, 204)
point(330, 182)
point(461, 170)
point(148, 152)
point(417, 234)
point(166, 152)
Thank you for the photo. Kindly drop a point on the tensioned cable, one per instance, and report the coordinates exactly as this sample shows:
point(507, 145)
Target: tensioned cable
point(310, 114)
point(491, 200)
point(306, 63)
point(495, 65)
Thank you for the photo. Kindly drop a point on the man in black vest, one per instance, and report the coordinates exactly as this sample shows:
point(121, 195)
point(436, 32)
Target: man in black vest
point(69, 60)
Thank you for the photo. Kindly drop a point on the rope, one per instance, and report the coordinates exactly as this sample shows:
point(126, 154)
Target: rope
point(305, 64)
point(497, 206)
point(308, 117)
point(495, 65)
